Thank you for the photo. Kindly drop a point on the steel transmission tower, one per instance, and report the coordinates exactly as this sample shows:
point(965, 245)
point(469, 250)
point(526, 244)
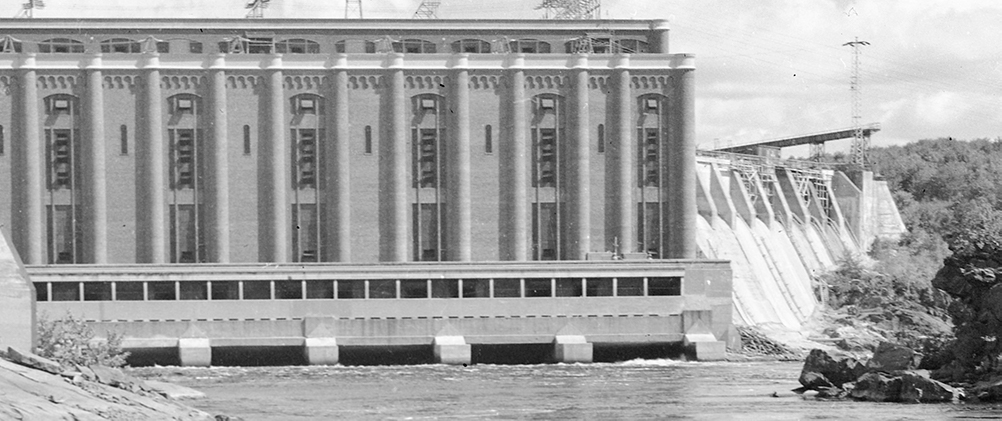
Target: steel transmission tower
point(256, 8)
point(571, 9)
point(353, 9)
point(28, 8)
point(427, 10)
point(860, 141)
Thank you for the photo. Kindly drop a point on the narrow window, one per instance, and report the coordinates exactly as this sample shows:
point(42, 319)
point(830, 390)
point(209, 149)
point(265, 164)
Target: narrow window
point(368, 140)
point(307, 158)
point(61, 234)
point(545, 170)
point(305, 233)
point(427, 158)
point(184, 159)
point(488, 140)
point(195, 47)
point(601, 138)
point(650, 155)
point(427, 231)
point(182, 234)
point(247, 140)
point(544, 231)
point(163, 47)
point(1, 140)
point(61, 160)
point(125, 140)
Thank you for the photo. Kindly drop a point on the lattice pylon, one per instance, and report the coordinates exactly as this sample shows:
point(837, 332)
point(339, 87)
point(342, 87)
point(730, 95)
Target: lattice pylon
point(571, 9)
point(817, 151)
point(860, 141)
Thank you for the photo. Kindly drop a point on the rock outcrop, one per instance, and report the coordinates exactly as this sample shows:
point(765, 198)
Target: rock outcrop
point(890, 376)
point(32, 391)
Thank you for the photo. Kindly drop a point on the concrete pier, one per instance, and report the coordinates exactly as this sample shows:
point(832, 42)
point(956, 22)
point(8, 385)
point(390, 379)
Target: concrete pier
point(452, 350)
point(572, 349)
point(194, 352)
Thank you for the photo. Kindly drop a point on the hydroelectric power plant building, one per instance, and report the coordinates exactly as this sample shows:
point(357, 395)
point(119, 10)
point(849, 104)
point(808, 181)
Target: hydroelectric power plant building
point(454, 185)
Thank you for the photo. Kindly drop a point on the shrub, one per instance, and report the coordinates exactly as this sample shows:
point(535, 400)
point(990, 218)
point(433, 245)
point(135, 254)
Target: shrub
point(70, 341)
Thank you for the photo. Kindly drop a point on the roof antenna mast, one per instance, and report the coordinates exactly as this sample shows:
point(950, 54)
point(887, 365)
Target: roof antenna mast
point(28, 8)
point(353, 9)
point(427, 10)
point(860, 140)
point(256, 8)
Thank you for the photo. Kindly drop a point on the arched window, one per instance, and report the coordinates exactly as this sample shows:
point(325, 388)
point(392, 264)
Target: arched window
point(414, 46)
point(590, 45)
point(531, 46)
point(120, 45)
point(239, 45)
point(471, 46)
point(339, 47)
point(631, 46)
point(297, 46)
point(60, 46)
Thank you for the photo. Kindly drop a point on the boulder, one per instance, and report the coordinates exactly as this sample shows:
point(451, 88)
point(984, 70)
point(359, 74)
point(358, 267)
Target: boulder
point(877, 387)
point(28, 359)
point(814, 381)
point(916, 388)
point(891, 357)
point(836, 372)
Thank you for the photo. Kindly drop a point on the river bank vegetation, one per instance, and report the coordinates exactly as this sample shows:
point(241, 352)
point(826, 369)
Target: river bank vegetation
point(945, 272)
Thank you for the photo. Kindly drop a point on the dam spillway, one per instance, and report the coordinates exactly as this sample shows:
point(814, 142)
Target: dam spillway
point(780, 223)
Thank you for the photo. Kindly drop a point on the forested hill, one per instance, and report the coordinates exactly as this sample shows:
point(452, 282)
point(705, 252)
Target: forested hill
point(944, 187)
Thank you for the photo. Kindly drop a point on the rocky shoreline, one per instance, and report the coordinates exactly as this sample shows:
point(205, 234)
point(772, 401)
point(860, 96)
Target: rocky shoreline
point(892, 375)
point(37, 388)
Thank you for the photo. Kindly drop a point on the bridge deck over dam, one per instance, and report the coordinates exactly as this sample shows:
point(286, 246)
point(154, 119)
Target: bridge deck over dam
point(448, 306)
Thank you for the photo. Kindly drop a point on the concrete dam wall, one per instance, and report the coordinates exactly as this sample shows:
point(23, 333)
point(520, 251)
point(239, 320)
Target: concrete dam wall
point(780, 223)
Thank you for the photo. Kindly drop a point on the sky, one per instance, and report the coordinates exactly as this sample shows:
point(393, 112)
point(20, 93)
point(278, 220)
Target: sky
point(765, 68)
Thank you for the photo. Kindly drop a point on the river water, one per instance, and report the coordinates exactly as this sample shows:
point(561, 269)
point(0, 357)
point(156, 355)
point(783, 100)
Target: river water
point(639, 389)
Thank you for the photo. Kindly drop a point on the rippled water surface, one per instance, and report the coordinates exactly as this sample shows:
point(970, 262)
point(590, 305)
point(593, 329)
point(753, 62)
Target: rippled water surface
point(651, 389)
